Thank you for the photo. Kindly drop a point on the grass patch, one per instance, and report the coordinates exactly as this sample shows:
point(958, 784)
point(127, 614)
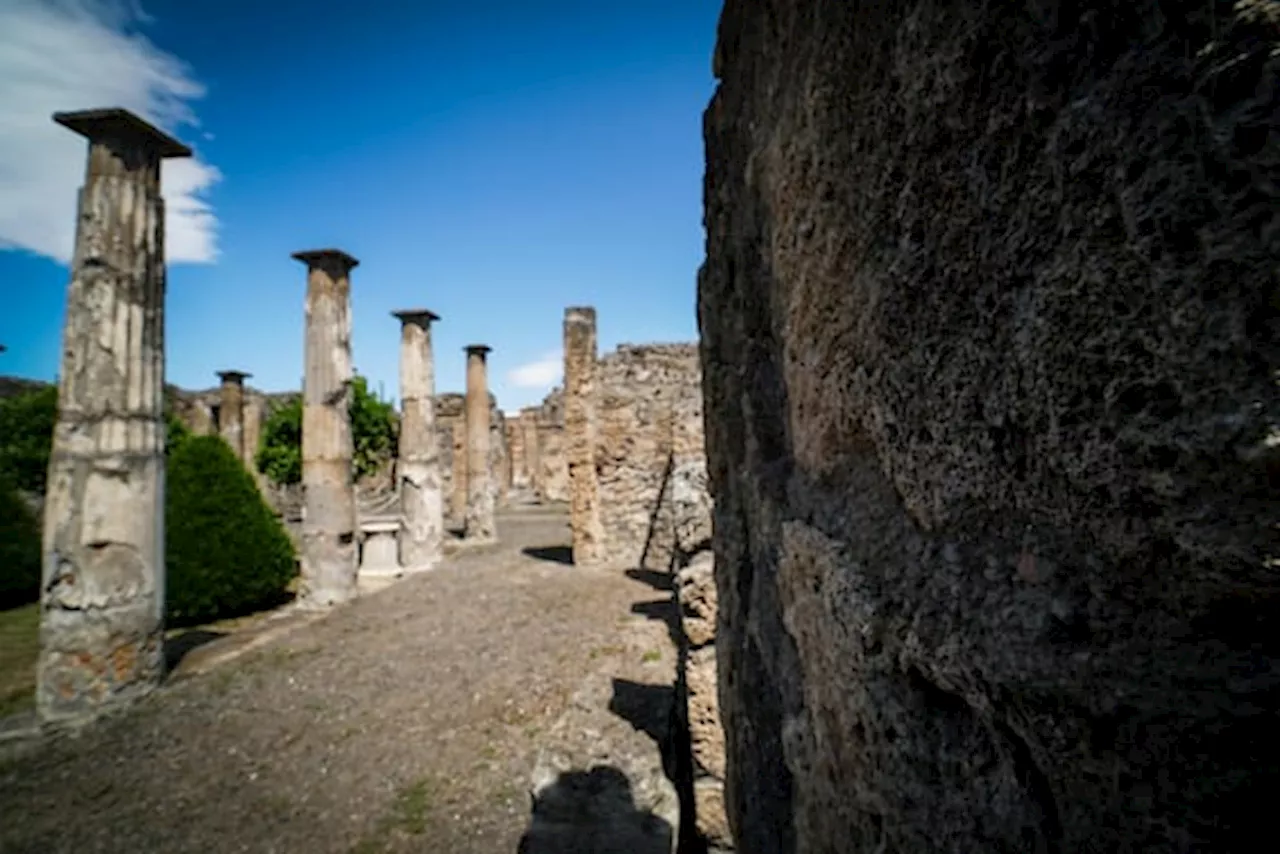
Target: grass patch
point(410, 814)
point(19, 648)
point(651, 656)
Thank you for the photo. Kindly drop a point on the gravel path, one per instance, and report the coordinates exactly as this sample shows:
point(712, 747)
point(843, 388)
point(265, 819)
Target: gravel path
point(408, 721)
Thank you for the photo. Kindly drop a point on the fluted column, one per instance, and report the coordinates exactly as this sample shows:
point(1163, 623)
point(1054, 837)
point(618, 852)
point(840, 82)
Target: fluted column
point(231, 410)
point(329, 549)
point(102, 596)
point(580, 434)
point(418, 467)
point(480, 526)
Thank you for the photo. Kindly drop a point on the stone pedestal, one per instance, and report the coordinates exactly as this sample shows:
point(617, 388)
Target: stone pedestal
point(329, 521)
point(231, 410)
point(102, 593)
point(378, 551)
point(418, 467)
point(580, 434)
point(480, 525)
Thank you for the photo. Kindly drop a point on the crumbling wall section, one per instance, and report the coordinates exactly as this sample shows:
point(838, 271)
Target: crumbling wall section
point(990, 346)
point(644, 394)
point(553, 468)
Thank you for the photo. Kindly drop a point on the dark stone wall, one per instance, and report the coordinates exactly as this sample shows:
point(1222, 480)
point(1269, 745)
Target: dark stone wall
point(989, 342)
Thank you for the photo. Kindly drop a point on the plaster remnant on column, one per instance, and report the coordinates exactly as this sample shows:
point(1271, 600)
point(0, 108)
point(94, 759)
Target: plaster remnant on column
point(480, 525)
point(580, 426)
point(329, 548)
point(102, 592)
point(418, 467)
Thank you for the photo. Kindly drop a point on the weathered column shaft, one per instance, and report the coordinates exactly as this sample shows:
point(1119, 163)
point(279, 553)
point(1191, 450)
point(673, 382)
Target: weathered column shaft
point(252, 436)
point(231, 411)
point(529, 431)
point(519, 477)
point(329, 550)
point(480, 523)
point(102, 592)
point(418, 468)
point(580, 434)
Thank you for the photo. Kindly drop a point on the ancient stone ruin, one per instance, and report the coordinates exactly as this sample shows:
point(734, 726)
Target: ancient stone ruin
point(103, 580)
point(989, 349)
point(329, 524)
point(418, 466)
point(637, 471)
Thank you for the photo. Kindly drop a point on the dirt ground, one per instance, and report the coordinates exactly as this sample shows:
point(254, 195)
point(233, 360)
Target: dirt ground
point(407, 721)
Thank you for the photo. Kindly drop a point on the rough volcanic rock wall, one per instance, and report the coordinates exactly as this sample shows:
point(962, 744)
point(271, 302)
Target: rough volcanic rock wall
point(642, 393)
point(989, 335)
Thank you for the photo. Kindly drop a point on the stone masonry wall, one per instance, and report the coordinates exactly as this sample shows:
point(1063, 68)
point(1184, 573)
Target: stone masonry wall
point(989, 336)
point(642, 393)
point(553, 470)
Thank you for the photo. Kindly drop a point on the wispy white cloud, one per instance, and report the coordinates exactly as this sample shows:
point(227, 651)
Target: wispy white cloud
point(79, 54)
point(543, 373)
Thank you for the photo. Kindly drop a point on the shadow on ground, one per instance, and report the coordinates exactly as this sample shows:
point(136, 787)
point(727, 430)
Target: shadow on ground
point(177, 648)
point(593, 812)
point(554, 554)
point(653, 578)
point(664, 610)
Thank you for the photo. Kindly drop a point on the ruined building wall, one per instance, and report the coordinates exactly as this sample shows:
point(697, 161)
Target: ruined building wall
point(642, 394)
point(989, 341)
point(553, 469)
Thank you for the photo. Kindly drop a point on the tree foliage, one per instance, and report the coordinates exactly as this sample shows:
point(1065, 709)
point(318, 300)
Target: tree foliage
point(373, 433)
point(19, 549)
point(227, 554)
point(26, 435)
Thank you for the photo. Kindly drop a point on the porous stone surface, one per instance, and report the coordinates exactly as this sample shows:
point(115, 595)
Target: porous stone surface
point(102, 598)
point(581, 428)
point(989, 348)
point(329, 547)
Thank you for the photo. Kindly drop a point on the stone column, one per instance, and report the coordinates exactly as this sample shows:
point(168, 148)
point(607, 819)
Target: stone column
point(329, 551)
point(102, 592)
point(528, 427)
point(418, 467)
point(252, 436)
point(480, 526)
point(231, 410)
point(580, 434)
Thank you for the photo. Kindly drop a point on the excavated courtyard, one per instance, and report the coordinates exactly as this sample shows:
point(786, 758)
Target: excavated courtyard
point(414, 719)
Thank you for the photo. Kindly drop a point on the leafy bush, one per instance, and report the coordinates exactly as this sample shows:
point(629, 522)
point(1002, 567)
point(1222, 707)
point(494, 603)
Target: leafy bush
point(19, 549)
point(279, 455)
point(26, 435)
point(227, 553)
point(373, 433)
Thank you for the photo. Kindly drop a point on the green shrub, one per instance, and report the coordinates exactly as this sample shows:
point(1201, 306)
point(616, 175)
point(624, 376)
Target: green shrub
point(227, 553)
point(19, 549)
point(279, 456)
point(26, 435)
point(373, 435)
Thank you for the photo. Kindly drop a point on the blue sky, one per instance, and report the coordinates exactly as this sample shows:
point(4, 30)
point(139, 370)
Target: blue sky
point(491, 161)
